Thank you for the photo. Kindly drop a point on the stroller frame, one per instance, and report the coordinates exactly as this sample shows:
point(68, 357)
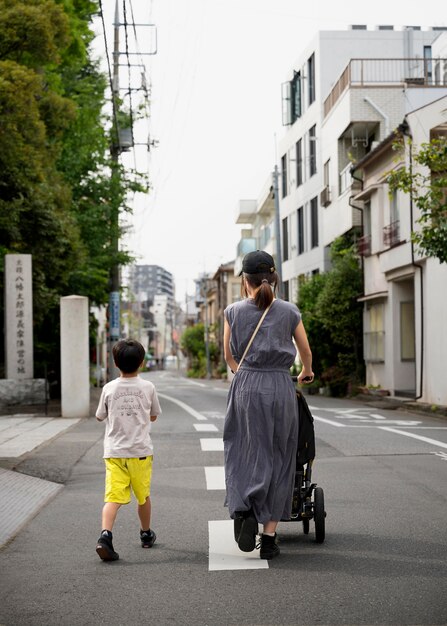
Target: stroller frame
point(307, 497)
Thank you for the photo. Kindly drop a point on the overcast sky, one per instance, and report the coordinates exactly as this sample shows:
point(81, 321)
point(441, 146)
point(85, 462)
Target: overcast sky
point(215, 109)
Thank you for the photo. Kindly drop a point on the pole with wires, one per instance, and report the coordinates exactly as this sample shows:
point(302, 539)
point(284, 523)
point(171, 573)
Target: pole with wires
point(277, 231)
point(114, 294)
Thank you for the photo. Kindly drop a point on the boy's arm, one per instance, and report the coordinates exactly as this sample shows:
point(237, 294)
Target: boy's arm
point(101, 411)
point(155, 406)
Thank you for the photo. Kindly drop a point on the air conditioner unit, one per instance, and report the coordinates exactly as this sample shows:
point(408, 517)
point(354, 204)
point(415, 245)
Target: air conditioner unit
point(325, 197)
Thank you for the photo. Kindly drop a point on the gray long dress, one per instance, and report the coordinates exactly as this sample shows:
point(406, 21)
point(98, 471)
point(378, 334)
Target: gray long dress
point(261, 422)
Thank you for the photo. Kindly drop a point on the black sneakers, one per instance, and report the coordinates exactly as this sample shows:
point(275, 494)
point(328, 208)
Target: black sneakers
point(248, 531)
point(147, 538)
point(269, 547)
point(104, 547)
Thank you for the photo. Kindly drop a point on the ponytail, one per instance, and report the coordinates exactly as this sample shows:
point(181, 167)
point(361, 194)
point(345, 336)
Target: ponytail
point(267, 288)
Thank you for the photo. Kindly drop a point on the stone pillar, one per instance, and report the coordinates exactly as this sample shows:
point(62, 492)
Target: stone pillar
point(75, 362)
point(19, 362)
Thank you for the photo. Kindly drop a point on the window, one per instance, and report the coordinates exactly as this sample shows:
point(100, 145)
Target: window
point(300, 229)
point(312, 151)
point(291, 97)
point(299, 162)
point(375, 337)
point(394, 207)
point(285, 289)
point(311, 79)
point(407, 334)
point(284, 175)
point(286, 100)
point(285, 239)
point(427, 64)
point(314, 222)
point(296, 96)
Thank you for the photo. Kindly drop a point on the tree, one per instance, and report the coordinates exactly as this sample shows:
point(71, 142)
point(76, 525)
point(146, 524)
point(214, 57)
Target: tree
point(60, 191)
point(193, 346)
point(428, 189)
point(333, 318)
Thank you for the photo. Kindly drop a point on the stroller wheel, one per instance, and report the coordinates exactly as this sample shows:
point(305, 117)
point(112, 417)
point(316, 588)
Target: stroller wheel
point(306, 525)
point(319, 515)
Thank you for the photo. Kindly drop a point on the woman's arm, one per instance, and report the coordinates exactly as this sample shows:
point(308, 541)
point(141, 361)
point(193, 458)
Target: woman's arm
point(227, 352)
point(305, 354)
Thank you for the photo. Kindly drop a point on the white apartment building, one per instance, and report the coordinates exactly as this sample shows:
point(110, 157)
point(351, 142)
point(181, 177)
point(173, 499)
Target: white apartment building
point(259, 217)
point(346, 92)
point(405, 304)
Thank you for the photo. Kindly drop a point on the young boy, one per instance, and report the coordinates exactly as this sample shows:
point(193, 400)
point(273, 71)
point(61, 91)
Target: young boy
point(128, 404)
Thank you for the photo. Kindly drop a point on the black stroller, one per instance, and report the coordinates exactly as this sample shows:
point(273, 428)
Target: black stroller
point(307, 498)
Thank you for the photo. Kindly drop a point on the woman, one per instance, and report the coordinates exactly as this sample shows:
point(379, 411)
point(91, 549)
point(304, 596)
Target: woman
point(261, 423)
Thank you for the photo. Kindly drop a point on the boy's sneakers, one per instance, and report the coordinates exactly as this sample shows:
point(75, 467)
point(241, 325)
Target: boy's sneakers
point(147, 538)
point(247, 536)
point(269, 547)
point(104, 547)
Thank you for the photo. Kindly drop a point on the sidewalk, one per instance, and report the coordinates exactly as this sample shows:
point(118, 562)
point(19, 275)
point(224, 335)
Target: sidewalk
point(23, 439)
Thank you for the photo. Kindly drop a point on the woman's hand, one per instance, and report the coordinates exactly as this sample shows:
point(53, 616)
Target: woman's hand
point(306, 377)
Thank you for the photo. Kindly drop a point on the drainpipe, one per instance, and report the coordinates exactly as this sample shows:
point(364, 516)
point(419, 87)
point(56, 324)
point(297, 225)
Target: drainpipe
point(405, 130)
point(362, 261)
point(380, 112)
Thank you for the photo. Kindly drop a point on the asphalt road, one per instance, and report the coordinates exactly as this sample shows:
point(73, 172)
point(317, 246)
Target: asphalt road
point(384, 475)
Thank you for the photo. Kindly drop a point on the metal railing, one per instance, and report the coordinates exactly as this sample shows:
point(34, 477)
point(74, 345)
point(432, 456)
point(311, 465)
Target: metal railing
point(391, 234)
point(411, 72)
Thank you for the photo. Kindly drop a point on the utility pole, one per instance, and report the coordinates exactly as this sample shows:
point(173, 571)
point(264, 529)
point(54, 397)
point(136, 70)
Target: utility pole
point(277, 230)
point(207, 332)
point(114, 295)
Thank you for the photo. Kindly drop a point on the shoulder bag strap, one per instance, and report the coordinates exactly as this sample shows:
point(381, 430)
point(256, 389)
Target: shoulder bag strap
point(254, 335)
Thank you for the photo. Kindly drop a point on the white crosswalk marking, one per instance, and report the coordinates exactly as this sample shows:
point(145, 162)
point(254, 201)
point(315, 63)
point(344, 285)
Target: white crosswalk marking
point(212, 445)
point(215, 477)
point(205, 428)
point(224, 553)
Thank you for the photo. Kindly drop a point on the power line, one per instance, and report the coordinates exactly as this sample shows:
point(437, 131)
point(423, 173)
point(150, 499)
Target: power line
point(114, 112)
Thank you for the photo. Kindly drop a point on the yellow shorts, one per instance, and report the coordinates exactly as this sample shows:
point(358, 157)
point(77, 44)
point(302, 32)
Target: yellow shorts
point(122, 474)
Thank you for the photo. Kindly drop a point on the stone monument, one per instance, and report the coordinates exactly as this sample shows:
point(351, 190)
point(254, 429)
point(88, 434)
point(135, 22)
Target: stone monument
point(19, 386)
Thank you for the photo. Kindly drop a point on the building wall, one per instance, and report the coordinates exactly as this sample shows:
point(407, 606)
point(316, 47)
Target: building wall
point(333, 50)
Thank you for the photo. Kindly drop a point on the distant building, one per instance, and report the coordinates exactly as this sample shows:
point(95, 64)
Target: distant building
point(151, 280)
point(152, 293)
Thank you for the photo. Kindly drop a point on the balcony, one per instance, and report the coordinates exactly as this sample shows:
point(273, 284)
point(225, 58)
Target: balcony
point(391, 234)
point(246, 211)
point(364, 245)
point(246, 245)
point(409, 72)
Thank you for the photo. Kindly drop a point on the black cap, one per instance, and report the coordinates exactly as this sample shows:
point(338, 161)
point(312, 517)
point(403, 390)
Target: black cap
point(257, 262)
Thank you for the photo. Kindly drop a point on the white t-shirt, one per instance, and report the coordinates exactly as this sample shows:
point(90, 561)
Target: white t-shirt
point(126, 405)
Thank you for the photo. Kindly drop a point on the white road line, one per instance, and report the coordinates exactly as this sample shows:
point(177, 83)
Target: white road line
point(193, 382)
point(212, 445)
point(201, 428)
point(326, 421)
point(378, 417)
point(434, 442)
point(215, 478)
point(224, 553)
point(184, 406)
